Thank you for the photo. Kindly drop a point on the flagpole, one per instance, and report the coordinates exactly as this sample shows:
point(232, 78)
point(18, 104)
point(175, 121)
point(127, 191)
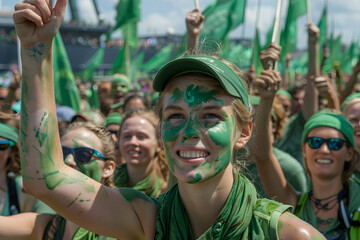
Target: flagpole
point(19, 55)
point(197, 4)
point(256, 27)
point(309, 11)
point(276, 30)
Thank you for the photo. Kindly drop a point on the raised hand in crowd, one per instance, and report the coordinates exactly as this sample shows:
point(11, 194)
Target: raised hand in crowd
point(269, 56)
point(326, 89)
point(194, 23)
point(351, 83)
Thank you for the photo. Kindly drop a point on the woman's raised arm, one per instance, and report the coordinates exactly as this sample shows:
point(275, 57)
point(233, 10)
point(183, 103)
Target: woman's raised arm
point(110, 212)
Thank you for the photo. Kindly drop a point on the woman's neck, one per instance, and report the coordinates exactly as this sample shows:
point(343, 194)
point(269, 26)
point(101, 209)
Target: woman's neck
point(323, 188)
point(199, 198)
point(136, 173)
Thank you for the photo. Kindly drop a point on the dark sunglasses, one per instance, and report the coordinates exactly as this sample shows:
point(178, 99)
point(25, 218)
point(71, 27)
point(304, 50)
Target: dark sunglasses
point(6, 144)
point(334, 144)
point(82, 155)
point(113, 131)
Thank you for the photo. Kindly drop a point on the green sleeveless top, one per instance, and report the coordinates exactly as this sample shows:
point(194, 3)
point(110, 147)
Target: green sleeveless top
point(243, 216)
point(335, 230)
point(80, 234)
point(121, 179)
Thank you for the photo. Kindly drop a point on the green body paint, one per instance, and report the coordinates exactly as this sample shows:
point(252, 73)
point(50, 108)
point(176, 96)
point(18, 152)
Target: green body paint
point(74, 200)
point(219, 132)
point(24, 144)
point(131, 194)
point(36, 52)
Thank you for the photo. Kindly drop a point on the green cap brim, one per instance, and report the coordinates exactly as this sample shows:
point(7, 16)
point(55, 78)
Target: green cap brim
point(206, 65)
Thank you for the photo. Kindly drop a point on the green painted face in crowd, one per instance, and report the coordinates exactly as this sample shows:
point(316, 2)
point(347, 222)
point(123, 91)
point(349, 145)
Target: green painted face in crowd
point(198, 128)
point(82, 137)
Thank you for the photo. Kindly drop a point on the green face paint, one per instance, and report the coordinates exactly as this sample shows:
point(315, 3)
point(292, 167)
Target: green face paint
point(180, 126)
point(91, 170)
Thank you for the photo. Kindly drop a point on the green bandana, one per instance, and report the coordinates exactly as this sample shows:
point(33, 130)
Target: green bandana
point(121, 179)
point(9, 132)
point(284, 93)
point(113, 118)
point(333, 120)
point(242, 217)
point(207, 65)
point(349, 99)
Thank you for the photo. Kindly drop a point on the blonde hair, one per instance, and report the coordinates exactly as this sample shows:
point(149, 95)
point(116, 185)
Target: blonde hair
point(13, 162)
point(159, 165)
point(107, 148)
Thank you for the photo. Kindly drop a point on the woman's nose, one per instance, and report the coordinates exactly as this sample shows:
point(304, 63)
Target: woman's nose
point(70, 160)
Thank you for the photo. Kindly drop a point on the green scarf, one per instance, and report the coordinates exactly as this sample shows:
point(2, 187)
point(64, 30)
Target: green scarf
point(121, 179)
point(242, 217)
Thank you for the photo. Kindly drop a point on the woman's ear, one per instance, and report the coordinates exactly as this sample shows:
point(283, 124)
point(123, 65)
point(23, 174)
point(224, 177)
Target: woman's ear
point(349, 155)
point(244, 136)
point(109, 169)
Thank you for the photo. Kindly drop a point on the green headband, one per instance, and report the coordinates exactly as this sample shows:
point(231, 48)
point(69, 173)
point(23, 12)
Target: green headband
point(121, 78)
point(113, 118)
point(9, 132)
point(284, 93)
point(349, 99)
point(205, 65)
point(333, 120)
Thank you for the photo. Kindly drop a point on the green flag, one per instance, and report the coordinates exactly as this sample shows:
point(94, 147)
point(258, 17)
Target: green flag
point(95, 61)
point(323, 33)
point(94, 97)
point(119, 65)
point(257, 50)
point(350, 58)
point(127, 11)
point(136, 65)
point(159, 59)
point(288, 36)
point(129, 33)
point(66, 91)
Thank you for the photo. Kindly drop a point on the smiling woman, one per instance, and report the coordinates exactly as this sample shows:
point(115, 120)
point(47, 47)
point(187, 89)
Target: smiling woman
point(203, 118)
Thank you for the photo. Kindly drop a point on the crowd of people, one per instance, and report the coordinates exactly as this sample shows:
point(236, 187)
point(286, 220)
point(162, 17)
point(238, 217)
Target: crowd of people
point(202, 151)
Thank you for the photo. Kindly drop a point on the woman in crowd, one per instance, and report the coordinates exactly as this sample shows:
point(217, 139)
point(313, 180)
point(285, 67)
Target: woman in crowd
point(13, 199)
point(329, 159)
point(87, 148)
point(145, 169)
point(204, 118)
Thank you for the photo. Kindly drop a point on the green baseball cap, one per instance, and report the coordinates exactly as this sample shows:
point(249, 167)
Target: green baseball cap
point(206, 65)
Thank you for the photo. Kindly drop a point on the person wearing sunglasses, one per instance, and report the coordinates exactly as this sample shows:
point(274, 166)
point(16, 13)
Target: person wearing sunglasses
point(350, 108)
point(332, 200)
point(145, 167)
point(13, 198)
point(88, 148)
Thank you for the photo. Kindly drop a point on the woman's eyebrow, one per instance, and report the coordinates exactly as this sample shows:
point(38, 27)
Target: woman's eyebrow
point(212, 107)
point(172, 107)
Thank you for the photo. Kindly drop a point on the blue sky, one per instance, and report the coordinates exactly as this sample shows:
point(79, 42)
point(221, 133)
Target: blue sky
point(158, 16)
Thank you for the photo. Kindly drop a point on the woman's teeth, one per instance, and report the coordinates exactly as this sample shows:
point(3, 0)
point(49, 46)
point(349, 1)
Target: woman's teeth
point(193, 154)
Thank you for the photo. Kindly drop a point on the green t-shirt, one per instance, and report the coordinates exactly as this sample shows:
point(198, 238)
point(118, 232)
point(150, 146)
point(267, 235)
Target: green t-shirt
point(335, 230)
point(294, 172)
point(291, 139)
